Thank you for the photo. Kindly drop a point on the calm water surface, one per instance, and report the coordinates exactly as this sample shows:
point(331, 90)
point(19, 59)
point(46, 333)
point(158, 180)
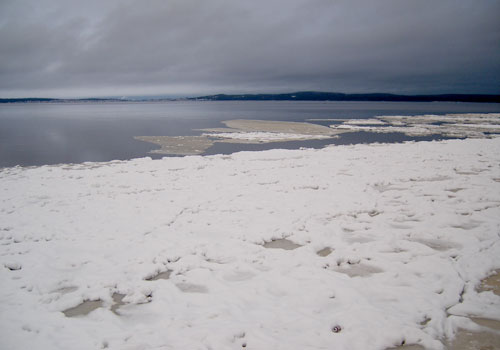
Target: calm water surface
point(44, 133)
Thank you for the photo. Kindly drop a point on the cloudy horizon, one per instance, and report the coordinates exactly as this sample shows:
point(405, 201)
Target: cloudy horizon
point(55, 48)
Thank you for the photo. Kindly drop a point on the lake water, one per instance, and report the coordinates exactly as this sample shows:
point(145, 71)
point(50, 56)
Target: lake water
point(45, 133)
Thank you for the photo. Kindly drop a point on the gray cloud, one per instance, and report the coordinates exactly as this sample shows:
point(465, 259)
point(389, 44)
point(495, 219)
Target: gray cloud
point(196, 46)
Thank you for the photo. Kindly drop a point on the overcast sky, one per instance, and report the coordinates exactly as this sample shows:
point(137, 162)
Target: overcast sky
point(66, 48)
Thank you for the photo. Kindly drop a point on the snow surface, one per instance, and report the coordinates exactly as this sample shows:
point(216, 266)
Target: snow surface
point(263, 137)
point(364, 122)
point(412, 229)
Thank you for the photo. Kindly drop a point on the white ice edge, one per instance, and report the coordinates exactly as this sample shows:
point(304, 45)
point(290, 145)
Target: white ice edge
point(364, 122)
point(424, 215)
point(456, 117)
point(265, 136)
point(456, 125)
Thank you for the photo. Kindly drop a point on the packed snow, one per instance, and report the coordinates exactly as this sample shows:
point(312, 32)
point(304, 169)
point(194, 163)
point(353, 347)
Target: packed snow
point(374, 246)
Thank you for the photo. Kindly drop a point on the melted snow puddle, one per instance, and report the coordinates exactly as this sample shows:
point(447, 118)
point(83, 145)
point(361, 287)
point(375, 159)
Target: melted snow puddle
point(324, 252)
point(486, 322)
point(88, 306)
point(489, 337)
point(358, 270)
point(281, 243)
point(83, 309)
point(165, 275)
point(467, 340)
point(491, 283)
point(117, 302)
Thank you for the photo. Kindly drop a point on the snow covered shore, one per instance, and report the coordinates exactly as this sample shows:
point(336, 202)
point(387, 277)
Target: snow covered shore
point(411, 230)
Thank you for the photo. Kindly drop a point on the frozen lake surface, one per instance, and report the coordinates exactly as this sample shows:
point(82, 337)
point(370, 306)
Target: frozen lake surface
point(346, 247)
point(362, 246)
point(38, 134)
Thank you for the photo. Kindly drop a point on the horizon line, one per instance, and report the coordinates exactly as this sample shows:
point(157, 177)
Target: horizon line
point(139, 97)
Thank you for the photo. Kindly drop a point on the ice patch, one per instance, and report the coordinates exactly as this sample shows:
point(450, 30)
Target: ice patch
point(282, 243)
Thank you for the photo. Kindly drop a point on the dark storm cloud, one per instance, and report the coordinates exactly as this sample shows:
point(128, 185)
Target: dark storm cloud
point(199, 46)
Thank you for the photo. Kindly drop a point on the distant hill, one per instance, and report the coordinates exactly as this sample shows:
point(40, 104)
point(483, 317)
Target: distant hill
point(28, 99)
point(336, 96)
point(57, 100)
point(293, 96)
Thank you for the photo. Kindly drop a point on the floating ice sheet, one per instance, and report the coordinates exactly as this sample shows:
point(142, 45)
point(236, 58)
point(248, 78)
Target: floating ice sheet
point(263, 137)
point(240, 131)
point(449, 125)
point(180, 145)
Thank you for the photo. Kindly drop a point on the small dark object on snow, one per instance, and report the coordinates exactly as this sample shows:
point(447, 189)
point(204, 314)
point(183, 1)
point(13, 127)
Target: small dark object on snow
point(336, 329)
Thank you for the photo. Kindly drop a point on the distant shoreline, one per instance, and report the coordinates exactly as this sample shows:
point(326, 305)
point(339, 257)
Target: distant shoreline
point(334, 96)
point(294, 96)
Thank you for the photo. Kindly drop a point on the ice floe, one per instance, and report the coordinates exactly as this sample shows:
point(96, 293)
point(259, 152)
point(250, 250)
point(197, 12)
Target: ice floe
point(364, 122)
point(449, 125)
point(267, 131)
point(262, 137)
point(180, 145)
point(390, 244)
point(240, 131)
